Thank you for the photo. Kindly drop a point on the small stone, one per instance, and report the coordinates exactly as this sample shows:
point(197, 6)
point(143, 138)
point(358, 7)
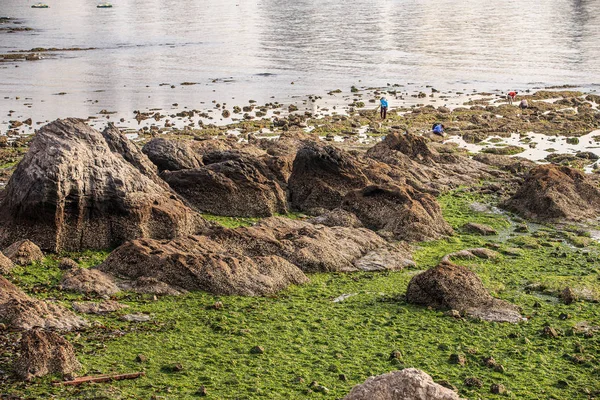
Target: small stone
point(480, 229)
point(563, 316)
point(218, 305)
point(489, 362)
point(298, 379)
point(568, 296)
point(473, 382)
point(141, 358)
point(135, 318)
point(257, 350)
point(550, 332)
point(458, 359)
point(177, 367)
point(499, 368)
point(201, 391)
point(343, 377)
point(498, 388)
point(453, 313)
point(67, 264)
point(396, 354)
point(321, 389)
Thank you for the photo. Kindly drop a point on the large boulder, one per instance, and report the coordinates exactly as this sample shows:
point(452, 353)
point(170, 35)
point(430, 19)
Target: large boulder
point(256, 260)
point(172, 155)
point(20, 311)
point(552, 192)
point(426, 168)
point(453, 287)
point(199, 263)
point(24, 252)
point(240, 186)
point(313, 248)
point(43, 353)
point(73, 190)
point(401, 210)
point(407, 384)
point(322, 175)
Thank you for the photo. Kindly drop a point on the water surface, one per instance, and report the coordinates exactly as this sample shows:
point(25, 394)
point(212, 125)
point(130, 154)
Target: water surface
point(238, 50)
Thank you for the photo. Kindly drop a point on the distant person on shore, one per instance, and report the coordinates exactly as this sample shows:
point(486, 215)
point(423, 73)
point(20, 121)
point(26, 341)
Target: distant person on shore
point(524, 104)
point(438, 129)
point(384, 106)
point(511, 97)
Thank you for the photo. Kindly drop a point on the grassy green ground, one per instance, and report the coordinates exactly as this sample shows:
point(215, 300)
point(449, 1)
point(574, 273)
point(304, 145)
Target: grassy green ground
point(307, 337)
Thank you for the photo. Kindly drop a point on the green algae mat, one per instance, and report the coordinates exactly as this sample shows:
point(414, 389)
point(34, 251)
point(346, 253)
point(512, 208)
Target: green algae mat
point(200, 340)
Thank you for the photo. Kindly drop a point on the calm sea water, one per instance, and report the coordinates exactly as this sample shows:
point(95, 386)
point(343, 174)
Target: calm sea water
point(249, 49)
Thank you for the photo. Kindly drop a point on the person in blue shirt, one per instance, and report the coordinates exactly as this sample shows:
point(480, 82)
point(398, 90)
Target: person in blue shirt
point(438, 129)
point(384, 107)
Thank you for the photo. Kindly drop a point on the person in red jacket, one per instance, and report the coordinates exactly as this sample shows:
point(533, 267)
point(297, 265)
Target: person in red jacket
point(511, 97)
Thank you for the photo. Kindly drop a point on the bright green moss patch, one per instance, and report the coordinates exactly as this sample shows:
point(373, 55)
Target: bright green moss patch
point(307, 337)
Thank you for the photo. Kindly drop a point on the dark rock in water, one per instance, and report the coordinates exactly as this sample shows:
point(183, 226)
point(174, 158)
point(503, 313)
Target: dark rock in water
point(407, 384)
point(480, 229)
point(337, 217)
point(450, 286)
point(553, 192)
point(172, 155)
point(242, 187)
point(199, 263)
point(5, 264)
point(402, 210)
point(89, 281)
point(24, 252)
point(84, 194)
point(43, 353)
point(20, 311)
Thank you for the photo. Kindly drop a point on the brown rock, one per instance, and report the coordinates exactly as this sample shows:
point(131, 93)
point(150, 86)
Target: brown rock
point(498, 388)
point(450, 286)
point(480, 229)
point(5, 264)
point(337, 217)
point(24, 252)
point(473, 382)
point(552, 192)
point(66, 264)
point(90, 281)
point(199, 263)
point(84, 194)
point(43, 353)
point(568, 296)
point(103, 307)
point(241, 187)
point(405, 212)
point(407, 384)
point(172, 155)
point(20, 311)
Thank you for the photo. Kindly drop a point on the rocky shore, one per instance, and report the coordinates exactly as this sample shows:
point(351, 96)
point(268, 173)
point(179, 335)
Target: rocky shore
point(192, 244)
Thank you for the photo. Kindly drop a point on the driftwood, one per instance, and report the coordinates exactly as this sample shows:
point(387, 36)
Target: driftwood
point(99, 379)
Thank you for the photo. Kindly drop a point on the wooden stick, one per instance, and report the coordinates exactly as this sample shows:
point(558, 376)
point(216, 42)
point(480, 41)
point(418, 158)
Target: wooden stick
point(99, 379)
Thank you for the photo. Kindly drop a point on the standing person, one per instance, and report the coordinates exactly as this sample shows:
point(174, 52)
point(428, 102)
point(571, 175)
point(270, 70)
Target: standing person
point(511, 97)
point(384, 106)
